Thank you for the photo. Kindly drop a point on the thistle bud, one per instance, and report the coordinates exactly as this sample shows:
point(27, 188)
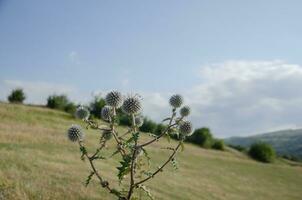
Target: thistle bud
point(176, 101)
point(106, 113)
point(104, 183)
point(75, 133)
point(139, 121)
point(107, 135)
point(132, 105)
point(114, 99)
point(185, 128)
point(185, 111)
point(82, 113)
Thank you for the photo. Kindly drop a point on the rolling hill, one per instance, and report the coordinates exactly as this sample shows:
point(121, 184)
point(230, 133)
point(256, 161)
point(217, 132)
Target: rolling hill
point(285, 142)
point(37, 162)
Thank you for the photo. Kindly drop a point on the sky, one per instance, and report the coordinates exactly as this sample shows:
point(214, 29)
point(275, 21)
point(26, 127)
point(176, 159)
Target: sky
point(237, 63)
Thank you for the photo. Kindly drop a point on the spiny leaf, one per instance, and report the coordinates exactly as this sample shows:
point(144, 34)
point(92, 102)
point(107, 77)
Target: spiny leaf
point(152, 135)
point(124, 168)
point(149, 174)
point(166, 119)
point(114, 153)
point(99, 157)
point(89, 178)
point(147, 156)
point(114, 191)
point(130, 142)
point(84, 152)
point(146, 190)
point(174, 164)
point(135, 136)
point(168, 148)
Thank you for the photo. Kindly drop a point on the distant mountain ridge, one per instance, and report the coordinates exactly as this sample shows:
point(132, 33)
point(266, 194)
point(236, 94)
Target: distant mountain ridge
point(285, 142)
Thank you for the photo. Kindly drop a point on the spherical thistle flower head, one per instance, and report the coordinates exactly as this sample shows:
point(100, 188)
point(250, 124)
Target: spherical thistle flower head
point(132, 105)
point(107, 135)
point(185, 128)
point(75, 133)
point(139, 121)
point(139, 152)
point(82, 113)
point(176, 101)
point(114, 99)
point(185, 111)
point(106, 113)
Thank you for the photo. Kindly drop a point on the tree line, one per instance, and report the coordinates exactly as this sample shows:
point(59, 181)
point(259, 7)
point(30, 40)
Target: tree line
point(201, 136)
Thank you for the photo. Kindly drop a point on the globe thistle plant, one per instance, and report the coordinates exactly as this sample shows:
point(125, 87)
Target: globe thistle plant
point(75, 133)
point(132, 105)
point(176, 101)
point(107, 134)
point(185, 128)
point(114, 99)
point(82, 113)
point(106, 113)
point(185, 111)
point(139, 121)
point(134, 165)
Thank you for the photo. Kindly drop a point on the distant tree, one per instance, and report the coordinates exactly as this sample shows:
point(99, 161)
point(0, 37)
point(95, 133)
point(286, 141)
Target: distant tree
point(291, 157)
point(123, 119)
point(70, 108)
point(202, 137)
point(57, 102)
point(160, 128)
point(262, 152)
point(238, 147)
point(148, 126)
point(218, 144)
point(16, 96)
point(96, 106)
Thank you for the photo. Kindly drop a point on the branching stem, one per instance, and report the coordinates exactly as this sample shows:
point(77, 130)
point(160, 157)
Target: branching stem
point(170, 125)
point(97, 173)
point(159, 169)
point(134, 151)
point(133, 161)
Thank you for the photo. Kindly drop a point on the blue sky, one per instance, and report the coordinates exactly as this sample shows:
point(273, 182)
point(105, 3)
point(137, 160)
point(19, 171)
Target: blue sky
point(158, 48)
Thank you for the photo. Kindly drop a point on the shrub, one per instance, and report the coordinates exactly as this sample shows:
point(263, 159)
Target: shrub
point(262, 152)
point(292, 158)
point(134, 164)
point(70, 108)
point(148, 126)
point(16, 96)
point(57, 102)
point(202, 137)
point(238, 147)
point(159, 129)
point(123, 119)
point(96, 106)
point(218, 144)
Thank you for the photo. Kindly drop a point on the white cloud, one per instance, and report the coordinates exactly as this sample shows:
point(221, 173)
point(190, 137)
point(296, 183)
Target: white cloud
point(155, 105)
point(243, 97)
point(232, 98)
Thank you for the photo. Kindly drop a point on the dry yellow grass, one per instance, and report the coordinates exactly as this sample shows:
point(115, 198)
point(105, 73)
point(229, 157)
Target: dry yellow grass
point(38, 162)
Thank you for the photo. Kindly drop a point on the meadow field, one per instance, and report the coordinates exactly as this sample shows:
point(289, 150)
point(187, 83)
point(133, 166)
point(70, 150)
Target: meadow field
point(38, 162)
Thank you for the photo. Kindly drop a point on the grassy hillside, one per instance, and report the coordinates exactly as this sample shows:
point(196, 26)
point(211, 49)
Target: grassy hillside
point(285, 142)
point(38, 162)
